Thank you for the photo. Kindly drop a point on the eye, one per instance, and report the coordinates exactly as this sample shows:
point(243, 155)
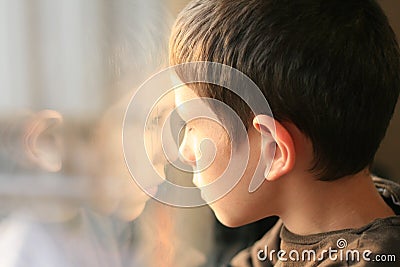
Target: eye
point(156, 120)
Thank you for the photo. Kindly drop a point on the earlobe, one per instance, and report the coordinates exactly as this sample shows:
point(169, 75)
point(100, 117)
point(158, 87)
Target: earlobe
point(42, 147)
point(275, 137)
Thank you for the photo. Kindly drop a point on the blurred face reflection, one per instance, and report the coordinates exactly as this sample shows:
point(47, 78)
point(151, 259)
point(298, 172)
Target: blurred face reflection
point(115, 191)
point(154, 130)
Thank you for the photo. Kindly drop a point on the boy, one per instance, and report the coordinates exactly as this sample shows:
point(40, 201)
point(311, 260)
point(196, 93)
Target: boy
point(330, 72)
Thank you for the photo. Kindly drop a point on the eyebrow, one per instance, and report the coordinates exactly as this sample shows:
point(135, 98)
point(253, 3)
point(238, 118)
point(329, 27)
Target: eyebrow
point(163, 108)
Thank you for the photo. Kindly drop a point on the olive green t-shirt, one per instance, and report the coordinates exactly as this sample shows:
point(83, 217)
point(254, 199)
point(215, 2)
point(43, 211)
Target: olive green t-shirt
point(375, 244)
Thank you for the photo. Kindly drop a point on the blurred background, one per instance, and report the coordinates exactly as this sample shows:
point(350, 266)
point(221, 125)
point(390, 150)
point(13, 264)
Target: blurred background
point(80, 57)
point(67, 71)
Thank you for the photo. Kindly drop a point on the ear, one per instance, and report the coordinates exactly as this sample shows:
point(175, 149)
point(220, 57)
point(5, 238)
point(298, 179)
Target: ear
point(275, 136)
point(42, 145)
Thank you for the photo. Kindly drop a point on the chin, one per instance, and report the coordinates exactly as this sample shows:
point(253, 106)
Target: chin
point(229, 222)
point(228, 218)
point(131, 213)
point(233, 218)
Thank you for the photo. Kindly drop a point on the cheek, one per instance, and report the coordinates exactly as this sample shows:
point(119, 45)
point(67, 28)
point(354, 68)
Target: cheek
point(222, 159)
point(219, 154)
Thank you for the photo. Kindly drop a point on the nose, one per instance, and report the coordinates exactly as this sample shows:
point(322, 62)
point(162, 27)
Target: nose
point(186, 150)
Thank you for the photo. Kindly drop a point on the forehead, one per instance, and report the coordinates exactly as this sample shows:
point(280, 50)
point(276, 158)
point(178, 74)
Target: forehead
point(190, 106)
point(183, 94)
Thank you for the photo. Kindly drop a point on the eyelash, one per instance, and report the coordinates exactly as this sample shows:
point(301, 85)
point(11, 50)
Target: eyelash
point(155, 120)
point(183, 124)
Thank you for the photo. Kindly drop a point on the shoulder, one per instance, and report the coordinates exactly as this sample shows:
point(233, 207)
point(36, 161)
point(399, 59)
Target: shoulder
point(249, 256)
point(381, 236)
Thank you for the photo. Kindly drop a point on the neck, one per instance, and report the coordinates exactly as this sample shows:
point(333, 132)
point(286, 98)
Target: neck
point(317, 206)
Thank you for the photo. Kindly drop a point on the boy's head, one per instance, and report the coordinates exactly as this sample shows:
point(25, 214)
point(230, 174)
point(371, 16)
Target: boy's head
point(329, 70)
